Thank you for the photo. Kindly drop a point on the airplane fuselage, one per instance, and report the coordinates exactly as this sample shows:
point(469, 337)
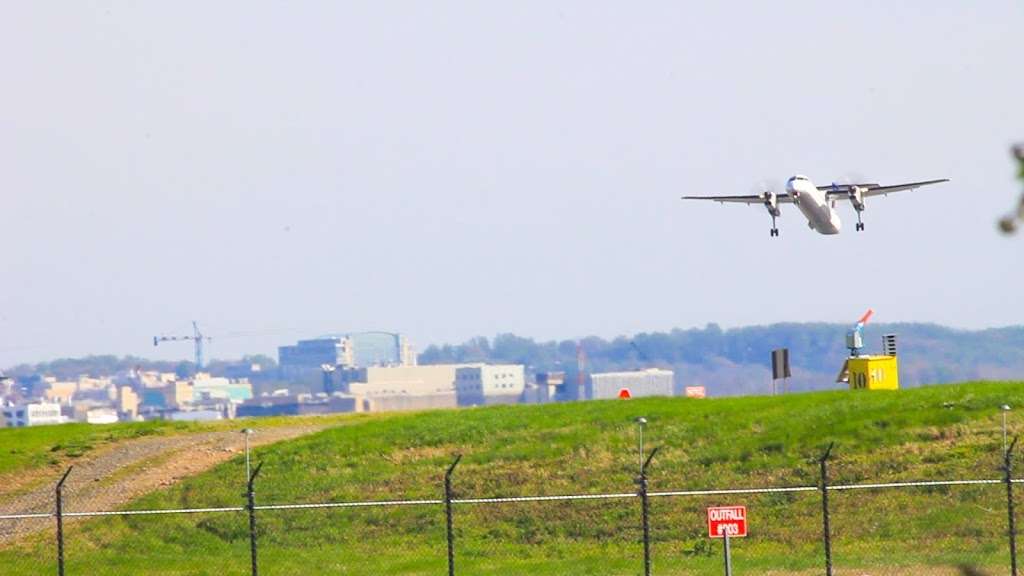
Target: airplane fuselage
point(814, 205)
point(818, 205)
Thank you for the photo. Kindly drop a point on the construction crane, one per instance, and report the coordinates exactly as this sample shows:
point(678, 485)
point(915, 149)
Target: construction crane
point(196, 337)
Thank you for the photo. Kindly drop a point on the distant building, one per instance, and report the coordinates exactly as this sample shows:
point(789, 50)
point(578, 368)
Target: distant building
point(305, 362)
point(480, 384)
point(545, 388)
point(386, 388)
point(649, 382)
point(127, 403)
point(194, 415)
point(61, 392)
point(295, 405)
point(154, 379)
point(32, 414)
point(87, 383)
point(205, 388)
point(167, 395)
point(101, 416)
point(7, 386)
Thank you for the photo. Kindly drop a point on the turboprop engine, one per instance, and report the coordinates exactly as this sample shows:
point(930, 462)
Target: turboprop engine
point(857, 198)
point(771, 203)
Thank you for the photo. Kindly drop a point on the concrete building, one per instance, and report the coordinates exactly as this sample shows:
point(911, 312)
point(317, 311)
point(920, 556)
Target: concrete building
point(154, 379)
point(385, 388)
point(304, 363)
point(481, 384)
point(101, 416)
point(32, 414)
point(60, 392)
point(545, 388)
point(87, 383)
point(206, 388)
point(7, 386)
point(649, 382)
point(127, 403)
point(194, 415)
point(168, 395)
point(296, 404)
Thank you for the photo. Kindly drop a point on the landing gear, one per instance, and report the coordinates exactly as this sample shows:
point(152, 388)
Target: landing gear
point(771, 202)
point(857, 199)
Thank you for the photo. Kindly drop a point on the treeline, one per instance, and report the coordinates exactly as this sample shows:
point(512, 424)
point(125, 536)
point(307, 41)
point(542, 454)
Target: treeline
point(107, 365)
point(736, 361)
point(733, 361)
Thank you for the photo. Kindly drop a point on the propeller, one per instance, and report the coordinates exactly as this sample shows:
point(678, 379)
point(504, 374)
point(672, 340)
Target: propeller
point(849, 183)
point(766, 189)
point(763, 186)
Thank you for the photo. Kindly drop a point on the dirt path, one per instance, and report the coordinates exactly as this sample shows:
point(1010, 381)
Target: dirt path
point(117, 474)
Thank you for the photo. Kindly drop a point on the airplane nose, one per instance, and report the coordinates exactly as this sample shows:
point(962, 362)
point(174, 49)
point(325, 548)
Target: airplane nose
point(791, 189)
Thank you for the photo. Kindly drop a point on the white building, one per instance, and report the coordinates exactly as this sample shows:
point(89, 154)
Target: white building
point(480, 384)
point(378, 388)
point(101, 416)
point(35, 414)
point(650, 382)
point(194, 415)
point(385, 388)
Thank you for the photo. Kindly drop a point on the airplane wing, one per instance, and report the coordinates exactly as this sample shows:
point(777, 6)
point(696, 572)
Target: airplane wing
point(746, 199)
point(842, 191)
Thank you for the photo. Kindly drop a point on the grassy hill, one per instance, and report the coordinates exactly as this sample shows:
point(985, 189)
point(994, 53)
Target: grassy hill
point(937, 432)
point(27, 449)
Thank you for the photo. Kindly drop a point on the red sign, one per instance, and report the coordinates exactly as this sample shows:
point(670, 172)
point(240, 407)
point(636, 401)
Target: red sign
point(624, 393)
point(731, 520)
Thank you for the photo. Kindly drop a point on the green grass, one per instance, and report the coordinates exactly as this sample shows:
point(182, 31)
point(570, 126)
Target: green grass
point(928, 433)
point(23, 449)
point(26, 449)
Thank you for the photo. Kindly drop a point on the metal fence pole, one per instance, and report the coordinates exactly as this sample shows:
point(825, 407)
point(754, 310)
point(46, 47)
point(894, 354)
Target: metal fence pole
point(448, 514)
point(825, 528)
point(250, 494)
point(728, 556)
point(1008, 478)
point(646, 511)
point(60, 521)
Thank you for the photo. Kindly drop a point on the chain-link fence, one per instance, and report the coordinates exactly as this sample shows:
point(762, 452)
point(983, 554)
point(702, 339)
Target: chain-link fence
point(930, 527)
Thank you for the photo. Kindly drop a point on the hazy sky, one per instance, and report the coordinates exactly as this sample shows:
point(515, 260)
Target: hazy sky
point(449, 169)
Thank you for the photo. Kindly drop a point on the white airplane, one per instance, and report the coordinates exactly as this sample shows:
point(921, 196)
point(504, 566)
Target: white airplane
point(817, 202)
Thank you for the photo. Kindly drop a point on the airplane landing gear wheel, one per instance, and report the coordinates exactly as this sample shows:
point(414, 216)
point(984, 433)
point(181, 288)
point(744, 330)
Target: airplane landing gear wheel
point(774, 232)
point(860, 226)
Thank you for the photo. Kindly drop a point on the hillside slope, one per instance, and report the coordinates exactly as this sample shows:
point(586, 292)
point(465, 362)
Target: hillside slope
point(929, 433)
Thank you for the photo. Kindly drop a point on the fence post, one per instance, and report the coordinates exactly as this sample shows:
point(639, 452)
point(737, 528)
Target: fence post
point(646, 512)
point(1008, 477)
point(448, 514)
point(60, 521)
point(825, 527)
point(251, 507)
